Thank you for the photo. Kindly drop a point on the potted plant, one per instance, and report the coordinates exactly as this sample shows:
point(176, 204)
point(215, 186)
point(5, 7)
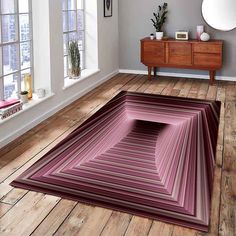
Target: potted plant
point(159, 20)
point(24, 96)
point(74, 59)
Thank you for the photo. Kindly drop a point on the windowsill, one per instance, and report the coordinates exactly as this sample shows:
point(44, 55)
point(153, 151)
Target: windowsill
point(32, 103)
point(84, 75)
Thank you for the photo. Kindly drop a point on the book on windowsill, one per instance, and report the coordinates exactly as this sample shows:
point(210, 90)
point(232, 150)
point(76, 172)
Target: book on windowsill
point(9, 102)
point(8, 111)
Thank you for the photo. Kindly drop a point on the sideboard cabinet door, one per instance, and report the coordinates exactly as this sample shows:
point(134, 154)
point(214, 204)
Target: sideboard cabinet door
point(153, 53)
point(180, 53)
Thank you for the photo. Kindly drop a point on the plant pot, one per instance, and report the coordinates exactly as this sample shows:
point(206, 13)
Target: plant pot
point(24, 98)
point(159, 35)
point(74, 73)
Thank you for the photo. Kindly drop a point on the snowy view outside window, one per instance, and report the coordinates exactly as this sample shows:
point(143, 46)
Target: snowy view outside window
point(73, 28)
point(15, 46)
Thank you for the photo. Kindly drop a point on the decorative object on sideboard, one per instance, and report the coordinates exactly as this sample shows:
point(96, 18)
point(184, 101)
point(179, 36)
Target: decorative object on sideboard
point(152, 36)
point(159, 20)
point(107, 8)
point(41, 93)
point(205, 37)
point(219, 14)
point(28, 84)
point(74, 59)
point(181, 35)
point(200, 30)
point(24, 96)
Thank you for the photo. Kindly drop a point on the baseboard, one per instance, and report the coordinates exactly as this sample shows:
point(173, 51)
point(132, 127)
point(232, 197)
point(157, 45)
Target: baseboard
point(49, 113)
point(181, 75)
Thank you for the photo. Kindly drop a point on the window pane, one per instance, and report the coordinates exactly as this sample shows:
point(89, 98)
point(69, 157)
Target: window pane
point(80, 20)
point(10, 58)
point(7, 6)
point(65, 23)
point(72, 20)
point(24, 27)
point(10, 86)
point(71, 5)
point(80, 4)
point(9, 28)
point(23, 6)
point(81, 40)
point(73, 36)
point(25, 55)
point(65, 66)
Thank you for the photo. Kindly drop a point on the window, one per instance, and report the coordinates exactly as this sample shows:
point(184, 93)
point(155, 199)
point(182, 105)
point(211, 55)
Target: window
point(15, 46)
point(73, 29)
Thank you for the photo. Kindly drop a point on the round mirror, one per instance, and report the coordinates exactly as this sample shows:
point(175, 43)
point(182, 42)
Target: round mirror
point(220, 14)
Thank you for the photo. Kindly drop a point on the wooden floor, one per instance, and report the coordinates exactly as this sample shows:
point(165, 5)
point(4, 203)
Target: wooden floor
point(30, 213)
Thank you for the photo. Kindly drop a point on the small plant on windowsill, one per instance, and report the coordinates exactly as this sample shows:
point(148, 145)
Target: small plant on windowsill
point(74, 60)
point(24, 96)
point(159, 20)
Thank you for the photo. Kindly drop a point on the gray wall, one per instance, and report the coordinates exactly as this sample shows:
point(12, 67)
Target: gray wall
point(134, 24)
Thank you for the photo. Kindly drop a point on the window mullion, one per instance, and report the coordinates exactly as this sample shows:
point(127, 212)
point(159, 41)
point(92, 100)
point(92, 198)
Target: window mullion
point(31, 41)
point(84, 24)
point(18, 56)
point(1, 89)
point(1, 60)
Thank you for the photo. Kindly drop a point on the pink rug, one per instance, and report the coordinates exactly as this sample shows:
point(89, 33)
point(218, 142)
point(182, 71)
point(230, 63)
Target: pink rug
point(143, 154)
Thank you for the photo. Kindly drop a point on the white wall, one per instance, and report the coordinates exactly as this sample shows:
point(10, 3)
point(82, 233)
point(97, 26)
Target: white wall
point(49, 65)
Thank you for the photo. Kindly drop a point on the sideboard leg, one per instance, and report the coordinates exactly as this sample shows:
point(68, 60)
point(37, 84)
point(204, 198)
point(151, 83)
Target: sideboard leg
point(149, 72)
point(155, 72)
point(212, 76)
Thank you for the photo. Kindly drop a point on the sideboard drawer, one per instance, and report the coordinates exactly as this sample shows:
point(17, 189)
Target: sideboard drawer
point(180, 53)
point(207, 60)
point(154, 52)
point(207, 48)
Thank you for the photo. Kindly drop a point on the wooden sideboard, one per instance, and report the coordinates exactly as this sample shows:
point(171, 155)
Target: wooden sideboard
point(191, 54)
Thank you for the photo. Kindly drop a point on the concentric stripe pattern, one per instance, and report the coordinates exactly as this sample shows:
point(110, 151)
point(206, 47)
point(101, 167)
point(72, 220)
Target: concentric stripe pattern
point(145, 154)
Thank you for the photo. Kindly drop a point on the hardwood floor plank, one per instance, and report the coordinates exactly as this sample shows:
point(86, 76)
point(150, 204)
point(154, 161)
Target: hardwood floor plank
point(26, 215)
point(187, 86)
point(138, 226)
point(4, 208)
point(56, 217)
point(180, 83)
point(13, 196)
point(85, 220)
point(117, 224)
point(160, 228)
point(181, 231)
point(204, 86)
point(211, 95)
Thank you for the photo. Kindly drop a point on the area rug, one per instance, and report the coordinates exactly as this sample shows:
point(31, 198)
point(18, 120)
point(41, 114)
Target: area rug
point(148, 155)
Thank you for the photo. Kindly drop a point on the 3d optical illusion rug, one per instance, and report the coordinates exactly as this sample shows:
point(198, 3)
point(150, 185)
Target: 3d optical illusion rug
point(144, 154)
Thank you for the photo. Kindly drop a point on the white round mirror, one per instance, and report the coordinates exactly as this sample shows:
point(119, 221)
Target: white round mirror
point(220, 14)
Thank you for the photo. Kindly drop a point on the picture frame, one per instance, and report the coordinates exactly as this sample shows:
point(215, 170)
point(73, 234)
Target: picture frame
point(107, 8)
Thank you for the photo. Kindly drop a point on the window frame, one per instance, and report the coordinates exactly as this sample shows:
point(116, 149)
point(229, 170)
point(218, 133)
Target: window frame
point(68, 32)
point(18, 43)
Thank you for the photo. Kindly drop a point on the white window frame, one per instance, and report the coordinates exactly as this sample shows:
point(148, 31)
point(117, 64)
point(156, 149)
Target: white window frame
point(74, 31)
point(16, 42)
